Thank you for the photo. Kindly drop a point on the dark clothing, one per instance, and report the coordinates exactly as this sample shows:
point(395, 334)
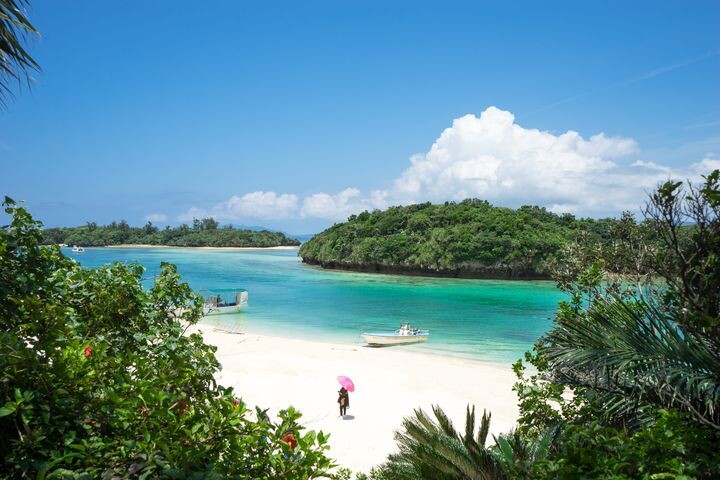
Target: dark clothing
point(343, 400)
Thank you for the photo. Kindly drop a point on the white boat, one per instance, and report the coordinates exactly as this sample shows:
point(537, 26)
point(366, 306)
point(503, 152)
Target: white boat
point(403, 336)
point(77, 249)
point(215, 304)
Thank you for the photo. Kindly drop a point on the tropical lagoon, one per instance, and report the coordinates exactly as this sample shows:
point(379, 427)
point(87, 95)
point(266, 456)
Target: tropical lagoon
point(499, 176)
point(485, 320)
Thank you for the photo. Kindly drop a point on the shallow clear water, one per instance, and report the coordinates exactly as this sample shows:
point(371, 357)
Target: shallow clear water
point(482, 319)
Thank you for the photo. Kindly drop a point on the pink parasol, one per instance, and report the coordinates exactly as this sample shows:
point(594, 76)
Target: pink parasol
point(346, 383)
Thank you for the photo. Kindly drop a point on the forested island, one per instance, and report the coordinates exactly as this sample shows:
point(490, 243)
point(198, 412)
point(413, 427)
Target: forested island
point(202, 233)
point(470, 239)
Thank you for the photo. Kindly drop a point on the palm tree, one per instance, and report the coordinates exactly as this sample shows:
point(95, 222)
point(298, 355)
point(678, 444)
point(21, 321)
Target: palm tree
point(15, 62)
point(431, 448)
point(636, 350)
point(637, 358)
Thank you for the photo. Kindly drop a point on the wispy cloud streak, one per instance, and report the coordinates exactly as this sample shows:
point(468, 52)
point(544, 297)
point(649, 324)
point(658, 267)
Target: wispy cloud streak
point(675, 66)
point(628, 81)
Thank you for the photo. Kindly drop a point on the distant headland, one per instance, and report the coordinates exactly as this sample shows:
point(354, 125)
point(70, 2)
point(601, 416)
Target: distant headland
point(202, 233)
point(469, 239)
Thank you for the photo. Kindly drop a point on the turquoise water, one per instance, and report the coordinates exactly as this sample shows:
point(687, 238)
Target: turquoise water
point(481, 319)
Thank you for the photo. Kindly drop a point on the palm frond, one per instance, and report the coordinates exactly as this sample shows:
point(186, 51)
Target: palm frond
point(518, 453)
point(15, 61)
point(636, 356)
point(484, 427)
point(431, 448)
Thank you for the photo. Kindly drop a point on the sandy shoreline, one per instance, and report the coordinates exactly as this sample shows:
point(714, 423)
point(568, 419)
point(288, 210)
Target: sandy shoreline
point(275, 372)
point(129, 245)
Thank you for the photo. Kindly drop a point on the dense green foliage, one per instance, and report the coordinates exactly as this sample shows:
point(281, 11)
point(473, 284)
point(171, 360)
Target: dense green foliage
point(471, 238)
point(99, 379)
point(627, 383)
point(203, 233)
point(432, 448)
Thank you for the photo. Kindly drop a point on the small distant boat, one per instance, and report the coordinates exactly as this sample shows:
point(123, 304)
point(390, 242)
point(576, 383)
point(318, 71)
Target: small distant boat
point(403, 336)
point(77, 249)
point(215, 304)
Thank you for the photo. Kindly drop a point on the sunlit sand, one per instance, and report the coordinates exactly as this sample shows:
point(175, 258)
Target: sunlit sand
point(275, 372)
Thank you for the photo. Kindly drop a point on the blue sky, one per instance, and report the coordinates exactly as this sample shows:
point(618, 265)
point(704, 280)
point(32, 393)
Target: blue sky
point(295, 114)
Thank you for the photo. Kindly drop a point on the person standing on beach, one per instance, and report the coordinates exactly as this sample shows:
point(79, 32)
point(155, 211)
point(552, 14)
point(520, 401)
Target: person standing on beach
point(343, 401)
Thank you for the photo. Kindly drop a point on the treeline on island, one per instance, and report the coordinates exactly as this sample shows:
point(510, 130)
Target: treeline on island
point(202, 233)
point(471, 239)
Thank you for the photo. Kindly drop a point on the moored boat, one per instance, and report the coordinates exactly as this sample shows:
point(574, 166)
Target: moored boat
point(403, 336)
point(76, 249)
point(215, 304)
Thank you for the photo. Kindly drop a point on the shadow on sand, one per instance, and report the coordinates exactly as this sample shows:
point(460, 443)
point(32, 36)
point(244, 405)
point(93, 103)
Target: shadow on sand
point(348, 417)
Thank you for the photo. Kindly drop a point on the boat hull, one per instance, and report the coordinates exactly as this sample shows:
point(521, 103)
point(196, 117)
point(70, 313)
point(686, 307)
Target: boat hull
point(385, 340)
point(222, 310)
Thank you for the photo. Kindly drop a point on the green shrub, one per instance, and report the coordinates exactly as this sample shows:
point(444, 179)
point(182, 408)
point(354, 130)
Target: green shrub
point(99, 380)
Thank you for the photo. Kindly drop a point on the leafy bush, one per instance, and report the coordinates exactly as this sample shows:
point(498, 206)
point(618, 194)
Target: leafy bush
point(630, 373)
point(98, 378)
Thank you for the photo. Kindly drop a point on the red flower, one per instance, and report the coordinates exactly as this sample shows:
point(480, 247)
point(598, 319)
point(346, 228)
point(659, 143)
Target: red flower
point(144, 411)
point(88, 351)
point(289, 438)
point(236, 402)
point(182, 405)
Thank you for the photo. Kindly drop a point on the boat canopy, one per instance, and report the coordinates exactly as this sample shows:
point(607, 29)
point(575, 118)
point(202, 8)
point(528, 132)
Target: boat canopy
point(218, 299)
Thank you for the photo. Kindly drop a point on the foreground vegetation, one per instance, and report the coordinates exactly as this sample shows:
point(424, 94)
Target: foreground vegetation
point(99, 380)
point(203, 233)
point(627, 383)
point(467, 239)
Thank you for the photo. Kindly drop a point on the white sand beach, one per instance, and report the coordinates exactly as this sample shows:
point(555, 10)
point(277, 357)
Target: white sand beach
point(275, 372)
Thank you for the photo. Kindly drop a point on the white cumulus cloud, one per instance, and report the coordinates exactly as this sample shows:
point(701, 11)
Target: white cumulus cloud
point(264, 205)
point(259, 205)
point(156, 217)
point(491, 157)
point(339, 206)
point(706, 165)
point(193, 212)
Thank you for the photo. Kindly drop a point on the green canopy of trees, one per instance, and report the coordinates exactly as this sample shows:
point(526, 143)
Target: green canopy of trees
point(99, 379)
point(203, 233)
point(470, 239)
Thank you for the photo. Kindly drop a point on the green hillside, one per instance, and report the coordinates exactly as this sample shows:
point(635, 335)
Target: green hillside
point(470, 239)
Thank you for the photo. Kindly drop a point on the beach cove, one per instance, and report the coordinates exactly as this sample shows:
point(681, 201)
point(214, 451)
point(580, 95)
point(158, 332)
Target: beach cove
point(275, 373)
point(301, 330)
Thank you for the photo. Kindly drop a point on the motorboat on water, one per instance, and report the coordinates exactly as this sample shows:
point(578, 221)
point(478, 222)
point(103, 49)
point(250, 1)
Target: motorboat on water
point(403, 336)
point(76, 249)
point(215, 304)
